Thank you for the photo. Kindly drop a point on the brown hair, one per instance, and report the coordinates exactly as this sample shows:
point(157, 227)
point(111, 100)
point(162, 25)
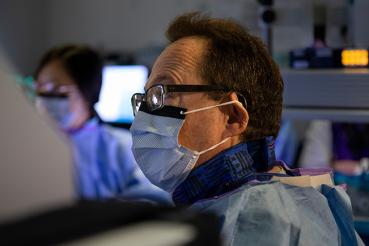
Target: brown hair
point(239, 62)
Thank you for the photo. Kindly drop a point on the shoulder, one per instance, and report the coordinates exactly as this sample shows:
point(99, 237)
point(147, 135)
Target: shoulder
point(266, 197)
point(281, 211)
point(121, 135)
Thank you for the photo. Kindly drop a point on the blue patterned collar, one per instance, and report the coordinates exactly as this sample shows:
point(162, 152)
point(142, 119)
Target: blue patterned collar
point(227, 171)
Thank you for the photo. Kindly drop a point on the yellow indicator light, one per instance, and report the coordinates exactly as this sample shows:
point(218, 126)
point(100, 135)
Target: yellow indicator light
point(354, 58)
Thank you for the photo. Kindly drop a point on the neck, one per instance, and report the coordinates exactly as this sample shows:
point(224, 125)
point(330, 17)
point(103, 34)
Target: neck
point(226, 171)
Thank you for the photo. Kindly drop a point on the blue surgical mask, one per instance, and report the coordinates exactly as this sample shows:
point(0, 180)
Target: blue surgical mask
point(156, 149)
point(58, 109)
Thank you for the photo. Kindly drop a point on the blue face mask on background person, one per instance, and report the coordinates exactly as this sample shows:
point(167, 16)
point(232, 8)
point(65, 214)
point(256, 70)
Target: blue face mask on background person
point(156, 149)
point(58, 109)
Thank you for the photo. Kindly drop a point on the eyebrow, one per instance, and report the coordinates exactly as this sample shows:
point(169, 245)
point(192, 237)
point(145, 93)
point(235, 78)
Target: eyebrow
point(162, 79)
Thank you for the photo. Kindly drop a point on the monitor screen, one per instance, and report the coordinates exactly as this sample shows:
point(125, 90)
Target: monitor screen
point(120, 82)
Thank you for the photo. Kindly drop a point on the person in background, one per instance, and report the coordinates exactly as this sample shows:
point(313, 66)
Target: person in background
point(204, 131)
point(68, 82)
point(345, 148)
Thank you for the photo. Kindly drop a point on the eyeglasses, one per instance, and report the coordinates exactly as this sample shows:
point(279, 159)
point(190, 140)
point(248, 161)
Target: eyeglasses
point(155, 95)
point(50, 89)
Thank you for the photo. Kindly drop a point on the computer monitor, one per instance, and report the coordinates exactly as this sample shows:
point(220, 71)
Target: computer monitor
point(119, 83)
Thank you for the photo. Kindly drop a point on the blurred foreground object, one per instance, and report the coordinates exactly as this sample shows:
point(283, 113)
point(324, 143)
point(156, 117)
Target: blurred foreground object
point(114, 223)
point(34, 167)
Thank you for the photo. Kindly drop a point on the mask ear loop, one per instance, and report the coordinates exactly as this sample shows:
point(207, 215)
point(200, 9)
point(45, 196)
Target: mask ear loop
point(206, 108)
point(212, 147)
point(210, 107)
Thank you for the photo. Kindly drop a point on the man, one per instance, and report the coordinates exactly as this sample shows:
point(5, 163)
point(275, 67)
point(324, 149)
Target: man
point(68, 82)
point(204, 131)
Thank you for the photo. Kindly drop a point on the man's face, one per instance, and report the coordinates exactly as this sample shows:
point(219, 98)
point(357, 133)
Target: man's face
point(180, 63)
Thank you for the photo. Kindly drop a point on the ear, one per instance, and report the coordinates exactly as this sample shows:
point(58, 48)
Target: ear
point(238, 117)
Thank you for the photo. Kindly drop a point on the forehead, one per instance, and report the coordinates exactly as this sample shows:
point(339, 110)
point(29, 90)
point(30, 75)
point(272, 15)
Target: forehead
point(54, 72)
point(179, 62)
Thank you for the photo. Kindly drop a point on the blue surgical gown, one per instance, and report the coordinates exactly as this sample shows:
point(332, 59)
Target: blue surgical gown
point(273, 213)
point(106, 168)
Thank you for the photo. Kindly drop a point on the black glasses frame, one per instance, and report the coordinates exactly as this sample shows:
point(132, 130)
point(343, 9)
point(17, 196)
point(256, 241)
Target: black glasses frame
point(172, 88)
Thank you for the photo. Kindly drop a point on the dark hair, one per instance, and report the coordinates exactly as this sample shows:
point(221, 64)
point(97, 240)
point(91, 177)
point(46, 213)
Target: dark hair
point(354, 136)
point(239, 62)
point(83, 64)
